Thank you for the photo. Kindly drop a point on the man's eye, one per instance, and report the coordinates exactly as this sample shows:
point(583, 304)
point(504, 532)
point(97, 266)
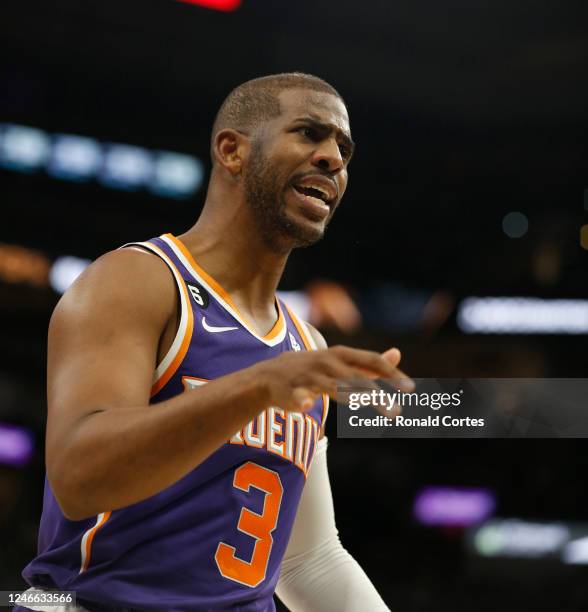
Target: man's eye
point(345, 152)
point(309, 133)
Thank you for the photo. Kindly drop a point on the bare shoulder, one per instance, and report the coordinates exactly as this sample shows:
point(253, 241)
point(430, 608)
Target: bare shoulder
point(109, 321)
point(318, 338)
point(103, 339)
point(123, 280)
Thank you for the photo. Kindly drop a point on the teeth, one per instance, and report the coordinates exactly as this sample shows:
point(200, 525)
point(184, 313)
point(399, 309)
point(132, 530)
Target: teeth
point(321, 189)
point(318, 188)
point(317, 200)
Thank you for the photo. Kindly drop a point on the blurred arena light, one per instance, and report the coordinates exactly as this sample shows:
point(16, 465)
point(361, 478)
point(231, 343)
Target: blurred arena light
point(75, 158)
point(23, 149)
point(116, 165)
point(515, 224)
point(217, 5)
point(16, 445)
point(126, 167)
point(452, 506)
point(520, 315)
point(584, 237)
point(20, 265)
point(519, 539)
point(576, 552)
point(175, 174)
point(65, 270)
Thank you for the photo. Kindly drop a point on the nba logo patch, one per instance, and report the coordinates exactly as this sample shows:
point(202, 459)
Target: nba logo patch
point(293, 343)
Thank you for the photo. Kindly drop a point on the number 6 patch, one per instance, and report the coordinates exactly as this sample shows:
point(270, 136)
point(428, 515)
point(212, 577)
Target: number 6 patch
point(199, 294)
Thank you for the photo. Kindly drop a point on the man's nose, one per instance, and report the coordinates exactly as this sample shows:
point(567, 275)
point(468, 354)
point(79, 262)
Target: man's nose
point(328, 157)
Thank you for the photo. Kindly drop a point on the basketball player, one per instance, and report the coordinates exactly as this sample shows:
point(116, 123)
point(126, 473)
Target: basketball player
point(187, 404)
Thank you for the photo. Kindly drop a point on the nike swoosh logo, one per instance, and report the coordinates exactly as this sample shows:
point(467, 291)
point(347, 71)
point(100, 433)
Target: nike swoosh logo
point(213, 329)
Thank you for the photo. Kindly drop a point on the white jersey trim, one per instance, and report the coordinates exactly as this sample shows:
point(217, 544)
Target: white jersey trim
point(186, 316)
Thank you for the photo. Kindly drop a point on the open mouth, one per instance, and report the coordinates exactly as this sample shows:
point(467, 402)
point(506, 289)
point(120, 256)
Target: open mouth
point(315, 194)
point(313, 202)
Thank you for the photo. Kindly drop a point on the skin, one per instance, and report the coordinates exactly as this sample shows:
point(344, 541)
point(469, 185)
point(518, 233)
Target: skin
point(101, 432)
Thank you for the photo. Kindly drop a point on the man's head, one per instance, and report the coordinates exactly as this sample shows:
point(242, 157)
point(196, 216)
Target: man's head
point(285, 140)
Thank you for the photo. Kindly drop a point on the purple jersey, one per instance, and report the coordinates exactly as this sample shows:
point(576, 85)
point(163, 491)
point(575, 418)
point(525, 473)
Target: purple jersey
point(215, 539)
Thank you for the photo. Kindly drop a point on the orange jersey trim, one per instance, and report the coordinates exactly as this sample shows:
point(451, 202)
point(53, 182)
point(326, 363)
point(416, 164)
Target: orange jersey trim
point(194, 378)
point(185, 304)
point(185, 326)
point(90, 538)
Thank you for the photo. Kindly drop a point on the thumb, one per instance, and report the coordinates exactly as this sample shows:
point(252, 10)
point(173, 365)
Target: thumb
point(302, 398)
point(392, 356)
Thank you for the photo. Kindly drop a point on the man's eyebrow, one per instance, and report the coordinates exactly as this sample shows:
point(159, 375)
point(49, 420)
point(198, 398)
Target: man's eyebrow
point(320, 124)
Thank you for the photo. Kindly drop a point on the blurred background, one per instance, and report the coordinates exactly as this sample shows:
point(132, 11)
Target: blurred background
point(462, 240)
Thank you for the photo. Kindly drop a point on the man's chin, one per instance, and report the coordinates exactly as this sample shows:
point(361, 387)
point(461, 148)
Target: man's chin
point(303, 232)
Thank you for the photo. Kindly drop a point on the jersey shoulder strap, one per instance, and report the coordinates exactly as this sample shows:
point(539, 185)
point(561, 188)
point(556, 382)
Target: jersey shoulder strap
point(181, 343)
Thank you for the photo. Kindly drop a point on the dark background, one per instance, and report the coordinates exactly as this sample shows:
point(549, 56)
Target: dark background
point(462, 112)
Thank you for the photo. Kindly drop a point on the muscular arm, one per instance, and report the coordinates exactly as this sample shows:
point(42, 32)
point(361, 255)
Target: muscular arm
point(106, 447)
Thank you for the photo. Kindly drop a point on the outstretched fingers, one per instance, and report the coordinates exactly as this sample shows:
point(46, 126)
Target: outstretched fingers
point(368, 363)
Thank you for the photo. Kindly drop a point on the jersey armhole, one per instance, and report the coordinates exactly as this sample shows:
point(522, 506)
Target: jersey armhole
point(179, 347)
point(310, 345)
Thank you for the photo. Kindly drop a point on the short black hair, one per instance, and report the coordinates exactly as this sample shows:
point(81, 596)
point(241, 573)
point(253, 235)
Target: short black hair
point(257, 100)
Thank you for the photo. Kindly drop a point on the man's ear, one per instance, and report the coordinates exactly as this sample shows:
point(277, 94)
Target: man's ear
point(231, 148)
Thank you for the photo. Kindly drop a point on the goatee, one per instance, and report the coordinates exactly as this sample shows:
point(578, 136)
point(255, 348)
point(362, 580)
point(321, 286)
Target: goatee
point(266, 199)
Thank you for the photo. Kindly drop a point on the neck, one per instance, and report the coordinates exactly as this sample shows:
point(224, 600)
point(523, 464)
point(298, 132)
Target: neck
point(227, 243)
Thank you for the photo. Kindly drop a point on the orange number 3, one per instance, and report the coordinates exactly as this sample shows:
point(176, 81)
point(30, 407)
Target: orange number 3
point(258, 526)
